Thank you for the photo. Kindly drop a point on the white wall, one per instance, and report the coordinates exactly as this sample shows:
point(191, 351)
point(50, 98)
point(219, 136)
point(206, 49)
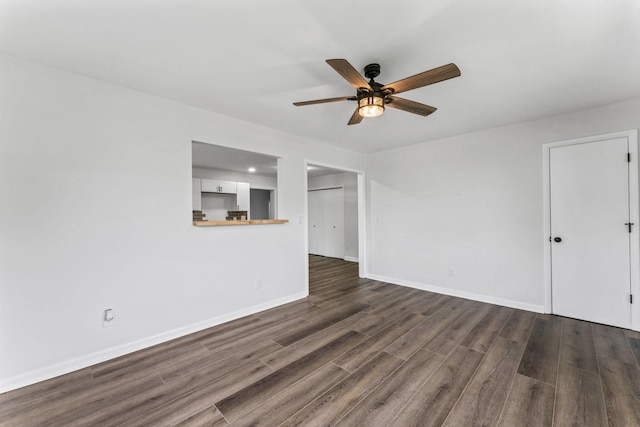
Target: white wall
point(349, 181)
point(95, 182)
point(464, 215)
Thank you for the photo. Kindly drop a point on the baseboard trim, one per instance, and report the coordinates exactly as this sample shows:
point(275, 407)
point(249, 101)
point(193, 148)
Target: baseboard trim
point(62, 368)
point(461, 294)
point(351, 259)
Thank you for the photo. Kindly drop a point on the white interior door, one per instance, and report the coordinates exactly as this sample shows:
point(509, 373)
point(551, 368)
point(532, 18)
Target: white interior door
point(590, 248)
point(326, 222)
point(333, 212)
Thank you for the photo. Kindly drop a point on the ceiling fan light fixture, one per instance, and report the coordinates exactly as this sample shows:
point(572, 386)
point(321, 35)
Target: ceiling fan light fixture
point(373, 97)
point(370, 105)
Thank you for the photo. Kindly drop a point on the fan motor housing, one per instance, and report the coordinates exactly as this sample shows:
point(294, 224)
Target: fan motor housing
point(372, 71)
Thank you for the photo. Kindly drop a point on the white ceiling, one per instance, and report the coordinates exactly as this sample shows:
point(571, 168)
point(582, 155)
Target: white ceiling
point(209, 156)
point(520, 60)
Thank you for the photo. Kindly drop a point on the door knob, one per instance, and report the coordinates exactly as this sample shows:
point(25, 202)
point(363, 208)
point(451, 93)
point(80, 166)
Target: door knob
point(557, 239)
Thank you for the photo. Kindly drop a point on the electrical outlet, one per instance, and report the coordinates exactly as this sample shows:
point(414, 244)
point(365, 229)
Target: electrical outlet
point(258, 284)
point(109, 317)
point(451, 273)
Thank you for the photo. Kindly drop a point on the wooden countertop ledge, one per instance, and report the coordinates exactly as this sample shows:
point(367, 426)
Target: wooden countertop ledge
point(240, 222)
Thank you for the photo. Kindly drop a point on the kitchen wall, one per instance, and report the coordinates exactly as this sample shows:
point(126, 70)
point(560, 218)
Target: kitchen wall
point(96, 214)
point(463, 215)
point(256, 181)
point(216, 206)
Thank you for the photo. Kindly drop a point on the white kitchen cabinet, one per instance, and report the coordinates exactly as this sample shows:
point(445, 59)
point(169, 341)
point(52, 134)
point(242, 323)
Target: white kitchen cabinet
point(196, 198)
point(216, 186)
point(228, 187)
point(243, 196)
point(210, 186)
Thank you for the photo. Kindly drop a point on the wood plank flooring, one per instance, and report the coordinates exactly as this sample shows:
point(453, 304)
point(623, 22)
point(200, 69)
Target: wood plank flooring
point(358, 352)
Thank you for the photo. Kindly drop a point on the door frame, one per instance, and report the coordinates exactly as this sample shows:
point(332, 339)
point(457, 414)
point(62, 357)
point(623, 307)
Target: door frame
point(634, 209)
point(362, 225)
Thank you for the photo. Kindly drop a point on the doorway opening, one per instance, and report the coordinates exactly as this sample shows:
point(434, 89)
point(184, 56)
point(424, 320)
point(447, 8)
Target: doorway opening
point(335, 215)
point(261, 206)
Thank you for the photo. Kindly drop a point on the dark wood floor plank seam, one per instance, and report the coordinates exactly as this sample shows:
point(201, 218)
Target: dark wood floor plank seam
point(151, 399)
point(453, 333)
point(634, 349)
point(483, 399)
point(622, 402)
point(223, 366)
point(634, 343)
point(541, 354)
point(528, 399)
point(579, 397)
point(162, 350)
point(317, 324)
point(246, 399)
point(284, 404)
point(308, 344)
point(420, 335)
point(336, 402)
point(205, 395)
point(577, 347)
point(384, 402)
point(360, 354)
point(77, 399)
point(98, 402)
point(486, 330)
point(519, 326)
point(431, 404)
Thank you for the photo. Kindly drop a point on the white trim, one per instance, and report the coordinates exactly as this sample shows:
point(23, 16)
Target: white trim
point(263, 187)
point(305, 223)
point(338, 169)
point(66, 367)
point(276, 193)
point(634, 213)
point(362, 225)
point(350, 259)
point(461, 294)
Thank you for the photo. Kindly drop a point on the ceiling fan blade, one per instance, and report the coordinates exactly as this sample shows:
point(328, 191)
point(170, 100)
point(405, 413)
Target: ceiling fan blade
point(410, 106)
point(355, 118)
point(425, 78)
point(322, 101)
point(349, 73)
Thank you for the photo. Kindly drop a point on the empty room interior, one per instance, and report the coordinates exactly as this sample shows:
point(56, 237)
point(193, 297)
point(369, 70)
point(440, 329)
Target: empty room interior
point(355, 213)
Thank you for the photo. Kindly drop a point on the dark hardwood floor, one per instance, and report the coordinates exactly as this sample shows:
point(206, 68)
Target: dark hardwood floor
point(358, 353)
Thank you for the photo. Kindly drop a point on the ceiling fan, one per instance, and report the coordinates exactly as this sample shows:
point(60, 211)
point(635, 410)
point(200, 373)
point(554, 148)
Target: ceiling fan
point(373, 97)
